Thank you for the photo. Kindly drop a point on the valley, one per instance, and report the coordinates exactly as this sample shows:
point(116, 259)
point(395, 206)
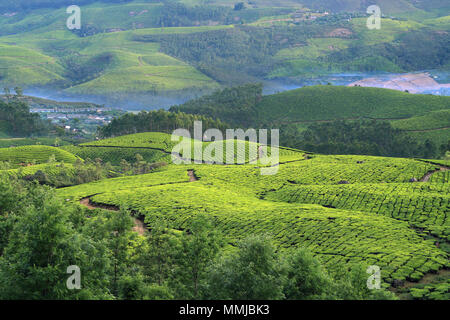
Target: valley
point(218, 150)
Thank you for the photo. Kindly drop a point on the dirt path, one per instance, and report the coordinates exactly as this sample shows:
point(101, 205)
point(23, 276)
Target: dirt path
point(427, 176)
point(426, 279)
point(192, 176)
point(139, 225)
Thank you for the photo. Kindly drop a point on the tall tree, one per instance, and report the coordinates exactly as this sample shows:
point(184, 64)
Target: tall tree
point(251, 273)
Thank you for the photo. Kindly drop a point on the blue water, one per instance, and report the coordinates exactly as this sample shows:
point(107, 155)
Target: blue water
point(343, 79)
point(152, 102)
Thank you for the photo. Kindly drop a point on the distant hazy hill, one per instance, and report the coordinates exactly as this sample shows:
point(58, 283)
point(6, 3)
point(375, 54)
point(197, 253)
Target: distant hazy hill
point(187, 48)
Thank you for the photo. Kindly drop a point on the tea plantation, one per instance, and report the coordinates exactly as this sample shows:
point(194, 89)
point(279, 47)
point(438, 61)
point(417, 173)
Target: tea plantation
point(345, 209)
point(35, 154)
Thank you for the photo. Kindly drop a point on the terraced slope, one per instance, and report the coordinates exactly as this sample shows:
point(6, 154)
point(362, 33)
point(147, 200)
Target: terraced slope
point(346, 209)
point(322, 103)
point(154, 146)
point(35, 154)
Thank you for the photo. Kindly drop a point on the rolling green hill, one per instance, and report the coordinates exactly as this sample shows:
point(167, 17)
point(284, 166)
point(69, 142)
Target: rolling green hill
point(407, 120)
point(322, 103)
point(345, 209)
point(319, 103)
point(377, 216)
point(35, 154)
point(156, 147)
point(140, 47)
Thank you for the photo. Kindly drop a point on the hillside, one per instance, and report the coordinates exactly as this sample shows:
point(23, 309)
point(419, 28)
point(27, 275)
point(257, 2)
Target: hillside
point(26, 155)
point(320, 103)
point(345, 210)
point(306, 195)
point(224, 150)
point(134, 48)
point(296, 110)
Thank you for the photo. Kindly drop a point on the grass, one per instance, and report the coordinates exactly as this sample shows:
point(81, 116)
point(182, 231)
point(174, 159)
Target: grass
point(162, 144)
point(18, 142)
point(35, 47)
point(174, 175)
point(146, 78)
point(134, 67)
point(390, 30)
point(315, 48)
point(19, 65)
point(50, 169)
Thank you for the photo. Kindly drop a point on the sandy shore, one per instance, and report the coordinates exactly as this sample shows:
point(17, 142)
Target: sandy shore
point(414, 83)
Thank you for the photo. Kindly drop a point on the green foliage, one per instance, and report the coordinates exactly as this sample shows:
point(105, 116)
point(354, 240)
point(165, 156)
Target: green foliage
point(120, 228)
point(351, 237)
point(198, 247)
point(319, 107)
point(307, 279)
point(115, 155)
point(17, 121)
point(230, 104)
point(250, 273)
point(363, 137)
point(156, 121)
point(123, 183)
point(228, 55)
point(35, 155)
point(422, 205)
point(433, 291)
point(42, 244)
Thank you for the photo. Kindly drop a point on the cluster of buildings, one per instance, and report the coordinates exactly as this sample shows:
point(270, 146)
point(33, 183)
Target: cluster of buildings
point(76, 119)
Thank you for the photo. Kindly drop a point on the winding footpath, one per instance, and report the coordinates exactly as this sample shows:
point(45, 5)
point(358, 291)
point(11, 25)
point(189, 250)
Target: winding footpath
point(139, 225)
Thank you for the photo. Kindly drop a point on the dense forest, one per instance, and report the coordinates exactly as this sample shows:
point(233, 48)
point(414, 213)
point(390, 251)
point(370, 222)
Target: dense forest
point(156, 121)
point(376, 138)
point(235, 105)
point(17, 121)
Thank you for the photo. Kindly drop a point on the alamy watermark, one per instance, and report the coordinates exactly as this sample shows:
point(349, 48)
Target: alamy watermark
point(74, 21)
point(374, 21)
point(74, 281)
point(241, 147)
point(374, 280)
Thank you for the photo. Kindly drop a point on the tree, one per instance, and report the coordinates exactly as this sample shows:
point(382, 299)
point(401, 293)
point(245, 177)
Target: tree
point(159, 257)
point(7, 93)
point(429, 149)
point(120, 234)
point(251, 273)
point(352, 285)
point(124, 166)
point(42, 245)
point(199, 246)
point(306, 278)
point(19, 92)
